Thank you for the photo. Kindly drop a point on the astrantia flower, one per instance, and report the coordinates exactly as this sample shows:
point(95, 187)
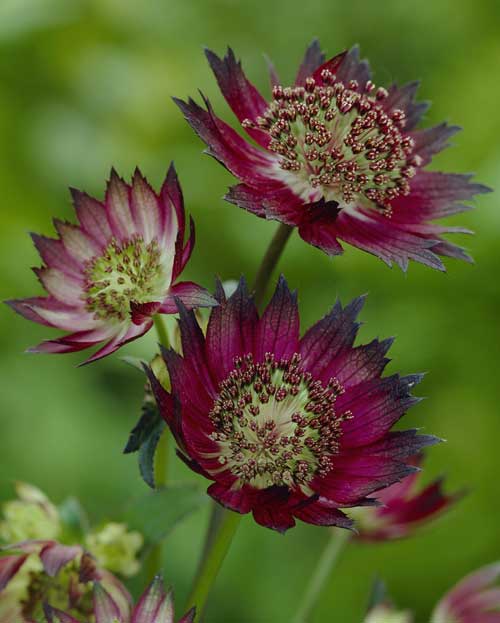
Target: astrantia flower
point(341, 159)
point(39, 571)
point(286, 427)
point(476, 599)
point(107, 276)
point(404, 508)
point(155, 606)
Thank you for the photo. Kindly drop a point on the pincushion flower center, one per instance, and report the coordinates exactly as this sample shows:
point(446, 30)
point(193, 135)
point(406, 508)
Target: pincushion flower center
point(274, 424)
point(127, 271)
point(339, 140)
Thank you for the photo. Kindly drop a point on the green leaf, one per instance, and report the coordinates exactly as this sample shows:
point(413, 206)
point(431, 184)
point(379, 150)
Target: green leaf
point(144, 439)
point(156, 514)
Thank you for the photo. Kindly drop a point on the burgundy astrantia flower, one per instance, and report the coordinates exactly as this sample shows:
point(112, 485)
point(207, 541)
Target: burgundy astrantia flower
point(286, 427)
point(108, 275)
point(38, 571)
point(341, 159)
point(405, 506)
point(476, 599)
point(155, 606)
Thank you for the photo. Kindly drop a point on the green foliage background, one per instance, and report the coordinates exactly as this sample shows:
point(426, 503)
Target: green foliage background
point(86, 85)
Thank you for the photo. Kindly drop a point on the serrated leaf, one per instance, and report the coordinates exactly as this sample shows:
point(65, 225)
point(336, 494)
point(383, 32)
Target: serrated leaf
point(156, 514)
point(135, 362)
point(147, 453)
point(144, 439)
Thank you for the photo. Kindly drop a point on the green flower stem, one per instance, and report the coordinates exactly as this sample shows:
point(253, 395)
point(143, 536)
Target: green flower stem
point(270, 260)
point(329, 558)
point(221, 540)
point(155, 559)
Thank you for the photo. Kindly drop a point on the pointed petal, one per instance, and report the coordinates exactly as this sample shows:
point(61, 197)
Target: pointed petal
point(313, 59)
point(55, 255)
point(117, 203)
point(189, 616)
point(155, 606)
point(76, 242)
point(9, 566)
point(92, 216)
point(132, 333)
point(227, 146)
point(330, 337)
point(322, 512)
point(61, 286)
point(55, 556)
point(278, 328)
point(403, 98)
point(105, 608)
point(144, 208)
point(191, 295)
point(244, 99)
point(231, 330)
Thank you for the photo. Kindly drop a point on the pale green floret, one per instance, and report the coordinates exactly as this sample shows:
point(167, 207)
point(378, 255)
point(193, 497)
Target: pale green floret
point(385, 614)
point(115, 548)
point(32, 516)
point(132, 271)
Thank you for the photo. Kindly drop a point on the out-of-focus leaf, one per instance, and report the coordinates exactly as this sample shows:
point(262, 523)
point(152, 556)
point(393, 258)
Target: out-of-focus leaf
point(74, 521)
point(156, 514)
point(134, 362)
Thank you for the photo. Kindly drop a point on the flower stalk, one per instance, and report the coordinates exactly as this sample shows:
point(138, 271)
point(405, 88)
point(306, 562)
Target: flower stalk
point(327, 562)
point(270, 260)
point(155, 559)
point(221, 541)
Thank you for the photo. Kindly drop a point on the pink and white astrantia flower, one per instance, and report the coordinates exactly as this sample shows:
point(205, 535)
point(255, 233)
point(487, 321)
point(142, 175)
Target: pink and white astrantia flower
point(108, 276)
point(338, 158)
point(155, 606)
point(475, 599)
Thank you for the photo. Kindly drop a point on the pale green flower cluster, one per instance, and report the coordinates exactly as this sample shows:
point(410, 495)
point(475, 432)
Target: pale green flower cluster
point(31, 516)
point(115, 548)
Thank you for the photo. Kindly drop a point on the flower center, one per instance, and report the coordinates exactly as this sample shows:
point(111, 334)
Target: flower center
point(56, 591)
point(340, 140)
point(124, 273)
point(276, 425)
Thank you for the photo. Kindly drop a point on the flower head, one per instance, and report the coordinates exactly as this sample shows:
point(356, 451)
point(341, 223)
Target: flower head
point(339, 158)
point(286, 427)
point(108, 276)
point(476, 599)
point(155, 606)
point(115, 548)
point(38, 571)
point(31, 516)
point(404, 508)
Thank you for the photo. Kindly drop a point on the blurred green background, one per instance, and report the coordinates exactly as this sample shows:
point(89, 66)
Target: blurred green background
point(85, 85)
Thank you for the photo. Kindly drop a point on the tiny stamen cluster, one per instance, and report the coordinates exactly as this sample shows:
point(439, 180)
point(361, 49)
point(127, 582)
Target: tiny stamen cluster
point(130, 271)
point(340, 138)
point(275, 424)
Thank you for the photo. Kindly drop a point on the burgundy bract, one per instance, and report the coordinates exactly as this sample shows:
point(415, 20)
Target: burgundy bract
point(338, 158)
point(154, 606)
point(107, 276)
point(475, 599)
point(405, 506)
point(286, 427)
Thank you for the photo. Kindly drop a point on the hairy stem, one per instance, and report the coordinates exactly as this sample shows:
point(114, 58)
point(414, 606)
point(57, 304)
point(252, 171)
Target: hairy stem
point(215, 554)
point(270, 260)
